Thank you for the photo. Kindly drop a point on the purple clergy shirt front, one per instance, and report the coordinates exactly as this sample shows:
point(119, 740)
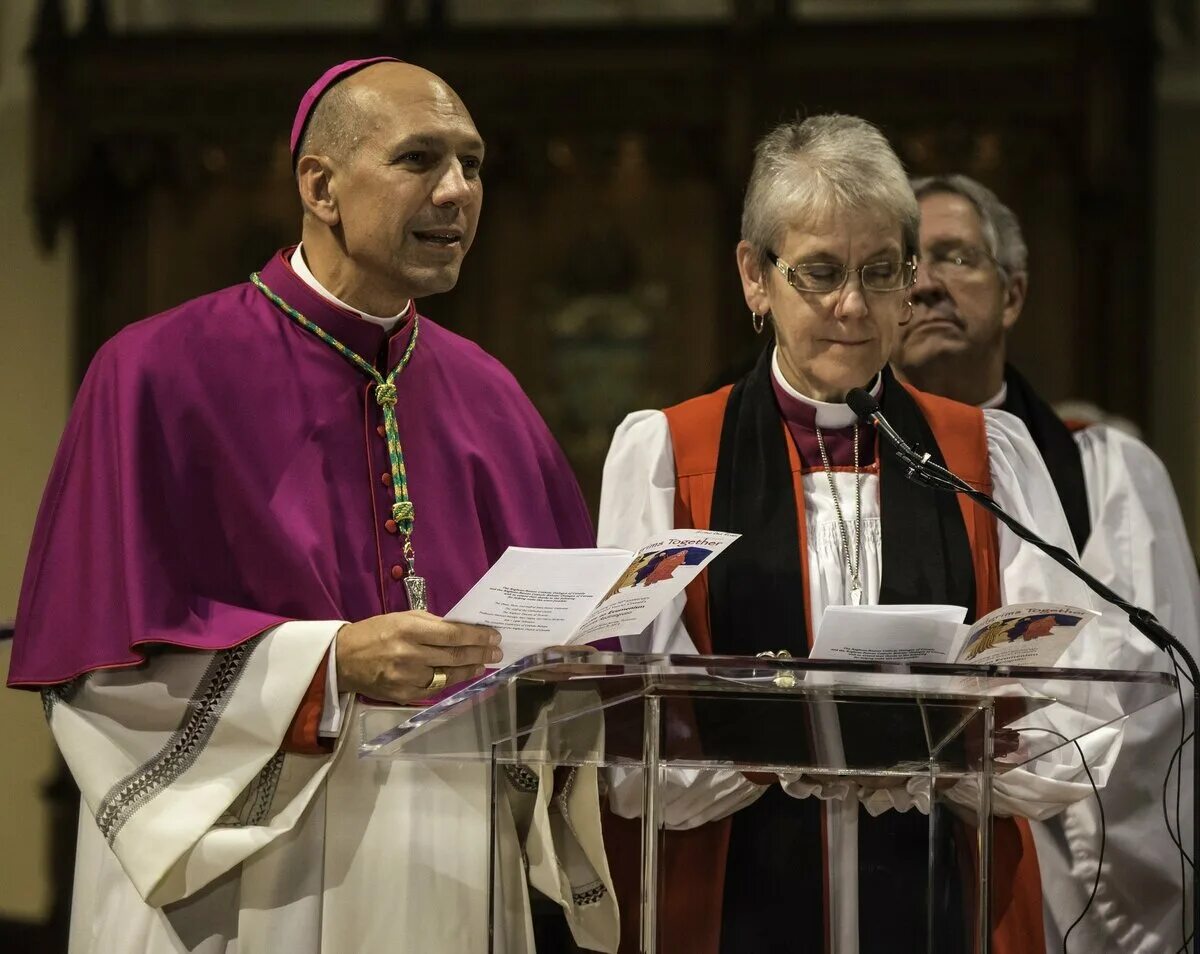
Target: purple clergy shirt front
point(800, 416)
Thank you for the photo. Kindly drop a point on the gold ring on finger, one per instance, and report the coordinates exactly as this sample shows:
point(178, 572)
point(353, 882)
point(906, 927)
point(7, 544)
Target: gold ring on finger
point(438, 681)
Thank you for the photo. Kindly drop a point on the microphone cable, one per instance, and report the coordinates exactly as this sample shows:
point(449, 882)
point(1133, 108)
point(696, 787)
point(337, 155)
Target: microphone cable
point(1176, 834)
point(1183, 855)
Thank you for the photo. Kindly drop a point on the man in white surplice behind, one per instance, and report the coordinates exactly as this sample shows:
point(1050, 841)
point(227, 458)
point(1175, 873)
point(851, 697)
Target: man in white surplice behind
point(1126, 524)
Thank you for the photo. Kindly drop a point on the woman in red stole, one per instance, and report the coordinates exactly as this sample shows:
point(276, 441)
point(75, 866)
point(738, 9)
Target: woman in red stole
point(826, 259)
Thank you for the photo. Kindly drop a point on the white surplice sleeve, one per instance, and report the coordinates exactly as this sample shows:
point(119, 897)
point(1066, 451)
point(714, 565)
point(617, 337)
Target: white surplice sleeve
point(336, 703)
point(179, 762)
point(1139, 544)
point(1139, 547)
point(1022, 486)
point(637, 503)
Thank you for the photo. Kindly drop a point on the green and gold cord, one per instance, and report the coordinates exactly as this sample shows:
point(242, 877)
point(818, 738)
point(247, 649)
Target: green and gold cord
point(385, 397)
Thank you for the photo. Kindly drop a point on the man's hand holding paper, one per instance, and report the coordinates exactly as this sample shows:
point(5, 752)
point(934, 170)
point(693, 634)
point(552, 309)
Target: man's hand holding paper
point(394, 657)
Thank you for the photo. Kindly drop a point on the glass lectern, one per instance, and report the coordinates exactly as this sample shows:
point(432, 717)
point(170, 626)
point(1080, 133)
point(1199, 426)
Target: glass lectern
point(652, 725)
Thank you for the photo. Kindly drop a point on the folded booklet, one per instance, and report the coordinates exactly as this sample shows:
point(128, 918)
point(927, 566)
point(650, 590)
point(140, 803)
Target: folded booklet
point(1033, 634)
point(541, 598)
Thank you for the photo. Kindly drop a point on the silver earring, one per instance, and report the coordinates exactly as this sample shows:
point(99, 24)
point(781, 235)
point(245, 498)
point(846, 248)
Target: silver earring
point(757, 322)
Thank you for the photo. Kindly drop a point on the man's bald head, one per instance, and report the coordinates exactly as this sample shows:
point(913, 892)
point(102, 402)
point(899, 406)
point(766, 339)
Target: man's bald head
point(332, 129)
point(349, 109)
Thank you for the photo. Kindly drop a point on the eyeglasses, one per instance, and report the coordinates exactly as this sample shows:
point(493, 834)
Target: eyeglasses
point(958, 259)
point(825, 277)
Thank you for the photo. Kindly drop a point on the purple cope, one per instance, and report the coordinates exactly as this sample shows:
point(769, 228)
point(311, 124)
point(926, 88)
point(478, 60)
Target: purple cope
point(221, 472)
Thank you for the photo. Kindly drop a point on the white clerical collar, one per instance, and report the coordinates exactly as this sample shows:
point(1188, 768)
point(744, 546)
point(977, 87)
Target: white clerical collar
point(300, 267)
point(828, 415)
point(997, 399)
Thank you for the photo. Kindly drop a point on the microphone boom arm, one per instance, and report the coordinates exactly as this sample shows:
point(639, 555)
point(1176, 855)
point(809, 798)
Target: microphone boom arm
point(922, 469)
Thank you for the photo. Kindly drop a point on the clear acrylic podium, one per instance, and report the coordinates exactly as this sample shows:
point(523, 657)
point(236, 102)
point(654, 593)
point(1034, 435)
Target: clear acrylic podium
point(643, 716)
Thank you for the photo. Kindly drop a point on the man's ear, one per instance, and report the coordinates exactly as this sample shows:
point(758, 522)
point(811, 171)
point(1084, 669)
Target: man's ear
point(318, 190)
point(1014, 299)
point(754, 282)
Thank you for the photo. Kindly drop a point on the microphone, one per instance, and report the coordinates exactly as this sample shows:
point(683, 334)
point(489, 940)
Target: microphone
point(922, 469)
point(863, 404)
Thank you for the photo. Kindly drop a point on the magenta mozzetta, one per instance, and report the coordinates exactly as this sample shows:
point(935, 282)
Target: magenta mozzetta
point(166, 526)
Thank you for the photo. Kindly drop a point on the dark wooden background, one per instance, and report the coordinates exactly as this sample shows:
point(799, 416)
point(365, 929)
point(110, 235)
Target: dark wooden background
point(603, 273)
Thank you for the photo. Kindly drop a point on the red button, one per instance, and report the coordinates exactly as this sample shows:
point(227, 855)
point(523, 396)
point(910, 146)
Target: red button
point(381, 431)
point(397, 572)
point(389, 526)
point(387, 479)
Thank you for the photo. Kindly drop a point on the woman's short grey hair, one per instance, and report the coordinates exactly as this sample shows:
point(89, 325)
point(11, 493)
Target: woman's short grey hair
point(1001, 229)
point(805, 171)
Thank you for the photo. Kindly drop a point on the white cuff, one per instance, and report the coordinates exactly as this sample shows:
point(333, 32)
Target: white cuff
point(331, 712)
point(913, 792)
point(691, 797)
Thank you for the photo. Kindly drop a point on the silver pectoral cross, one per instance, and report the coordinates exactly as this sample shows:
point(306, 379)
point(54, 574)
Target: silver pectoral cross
point(856, 593)
point(417, 594)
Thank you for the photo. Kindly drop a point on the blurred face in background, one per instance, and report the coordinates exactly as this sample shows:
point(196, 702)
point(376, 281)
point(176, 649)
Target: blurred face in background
point(964, 305)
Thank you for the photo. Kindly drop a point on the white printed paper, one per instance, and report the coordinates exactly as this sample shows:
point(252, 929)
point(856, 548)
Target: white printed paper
point(898, 634)
point(1034, 634)
point(540, 598)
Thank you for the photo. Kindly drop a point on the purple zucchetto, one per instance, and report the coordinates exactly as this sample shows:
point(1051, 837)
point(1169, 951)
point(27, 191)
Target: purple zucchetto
point(329, 78)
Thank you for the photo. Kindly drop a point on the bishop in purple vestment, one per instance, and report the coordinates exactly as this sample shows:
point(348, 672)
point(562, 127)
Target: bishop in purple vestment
point(246, 488)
